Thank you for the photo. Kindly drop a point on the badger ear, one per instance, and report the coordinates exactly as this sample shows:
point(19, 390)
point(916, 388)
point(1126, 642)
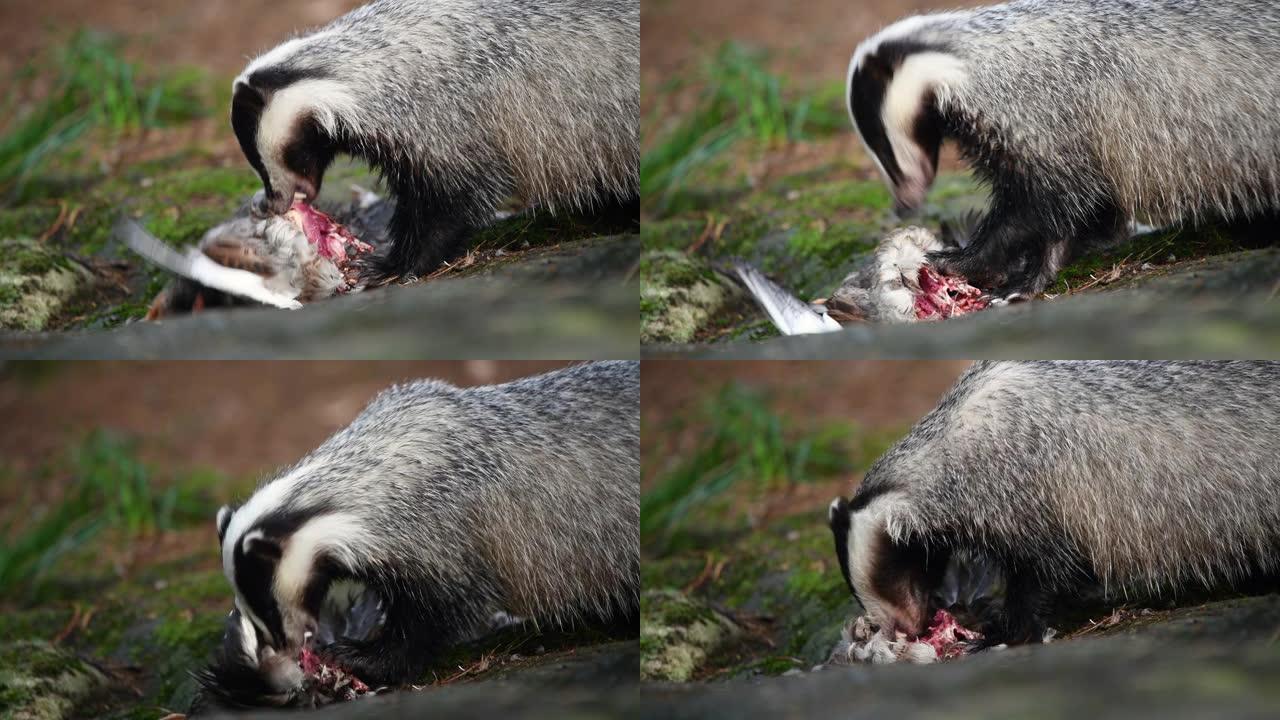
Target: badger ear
point(838, 514)
point(224, 519)
point(838, 519)
point(247, 104)
point(258, 544)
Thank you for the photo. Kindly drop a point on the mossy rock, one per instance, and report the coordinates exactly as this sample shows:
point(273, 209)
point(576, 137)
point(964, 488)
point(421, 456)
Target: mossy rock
point(679, 296)
point(41, 682)
point(677, 634)
point(35, 283)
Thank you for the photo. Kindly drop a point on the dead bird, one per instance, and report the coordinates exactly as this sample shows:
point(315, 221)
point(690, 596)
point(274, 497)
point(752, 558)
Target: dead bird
point(283, 261)
point(897, 284)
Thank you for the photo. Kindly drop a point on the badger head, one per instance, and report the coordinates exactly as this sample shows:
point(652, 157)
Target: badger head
point(896, 83)
point(246, 671)
point(893, 580)
point(289, 117)
point(292, 571)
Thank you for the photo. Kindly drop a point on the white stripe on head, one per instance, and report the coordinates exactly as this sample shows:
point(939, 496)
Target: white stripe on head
point(248, 639)
point(248, 616)
point(902, 102)
point(865, 526)
point(278, 54)
point(917, 76)
point(327, 101)
point(268, 497)
point(337, 534)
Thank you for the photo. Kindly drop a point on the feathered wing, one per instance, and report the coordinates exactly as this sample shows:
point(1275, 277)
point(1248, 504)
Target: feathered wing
point(790, 314)
point(197, 266)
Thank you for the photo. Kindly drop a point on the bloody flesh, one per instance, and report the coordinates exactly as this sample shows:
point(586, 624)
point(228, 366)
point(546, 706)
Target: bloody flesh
point(947, 637)
point(331, 239)
point(944, 296)
point(329, 680)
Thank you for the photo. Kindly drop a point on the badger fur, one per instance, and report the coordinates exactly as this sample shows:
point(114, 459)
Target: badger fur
point(1132, 479)
point(1080, 115)
point(435, 509)
point(460, 104)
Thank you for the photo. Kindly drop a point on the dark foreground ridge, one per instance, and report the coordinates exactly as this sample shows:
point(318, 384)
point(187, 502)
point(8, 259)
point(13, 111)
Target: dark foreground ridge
point(576, 300)
point(1215, 660)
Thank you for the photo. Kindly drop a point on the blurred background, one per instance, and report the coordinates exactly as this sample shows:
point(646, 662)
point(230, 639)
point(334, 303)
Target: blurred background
point(740, 460)
point(110, 475)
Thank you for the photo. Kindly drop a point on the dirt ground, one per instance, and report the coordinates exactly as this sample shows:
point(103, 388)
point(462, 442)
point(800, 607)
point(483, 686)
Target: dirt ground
point(217, 35)
point(240, 418)
point(810, 41)
point(868, 394)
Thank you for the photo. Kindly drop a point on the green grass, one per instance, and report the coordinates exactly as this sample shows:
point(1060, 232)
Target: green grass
point(92, 87)
point(744, 444)
point(742, 100)
point(111, 489)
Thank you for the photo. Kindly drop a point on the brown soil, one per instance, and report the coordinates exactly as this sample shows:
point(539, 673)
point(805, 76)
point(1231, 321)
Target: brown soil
point(217, 35)
point(808, 41)
point(873, 394)
point(240, 418)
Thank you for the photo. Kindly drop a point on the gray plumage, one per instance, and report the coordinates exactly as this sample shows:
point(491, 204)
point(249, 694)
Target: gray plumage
point(453, 505)
point(460, 104)
point(1082, 114)
point(1143, 478)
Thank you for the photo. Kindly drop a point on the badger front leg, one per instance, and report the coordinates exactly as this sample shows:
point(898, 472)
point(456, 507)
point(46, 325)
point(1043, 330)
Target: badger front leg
point(1004, 253)
point(397, 654)
point(432, 224)
point(1017, 249)
point(1021, 620)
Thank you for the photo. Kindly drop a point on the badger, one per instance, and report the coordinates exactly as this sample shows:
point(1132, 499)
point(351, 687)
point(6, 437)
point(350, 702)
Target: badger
point(460, 104)
point(1080, 115)
point(436, 509)
point(1051, 480)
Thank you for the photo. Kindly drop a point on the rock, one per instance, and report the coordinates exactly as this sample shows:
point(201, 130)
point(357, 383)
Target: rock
point(39, 681)
point(677, 634)
point(679, 296)
point(594, 681)
point(35, 283)
point(1215, 660)
point(571, 301)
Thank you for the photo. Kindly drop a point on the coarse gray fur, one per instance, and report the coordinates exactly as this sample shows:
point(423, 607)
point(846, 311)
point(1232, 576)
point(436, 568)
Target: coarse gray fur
point(1081, 114)
point(451, 504)
point(461, 104)
point(1145, 478)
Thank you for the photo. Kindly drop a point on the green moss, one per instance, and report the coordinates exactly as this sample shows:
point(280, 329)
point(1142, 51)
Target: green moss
point(677, 634)
point(38, 680)
point(679, 295)
point(673, 234)
point(35, 283)
point(1157, 248)
point(27, 220)
point(772, 665)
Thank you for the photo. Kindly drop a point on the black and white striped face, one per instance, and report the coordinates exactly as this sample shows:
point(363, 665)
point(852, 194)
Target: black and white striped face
point(286, 117)
point(283, 565)
point(891, 581)
point(894, 84)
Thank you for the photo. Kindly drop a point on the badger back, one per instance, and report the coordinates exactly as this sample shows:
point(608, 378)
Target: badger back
point(537, 98)
point(1159, 107)
point(1146, 476)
